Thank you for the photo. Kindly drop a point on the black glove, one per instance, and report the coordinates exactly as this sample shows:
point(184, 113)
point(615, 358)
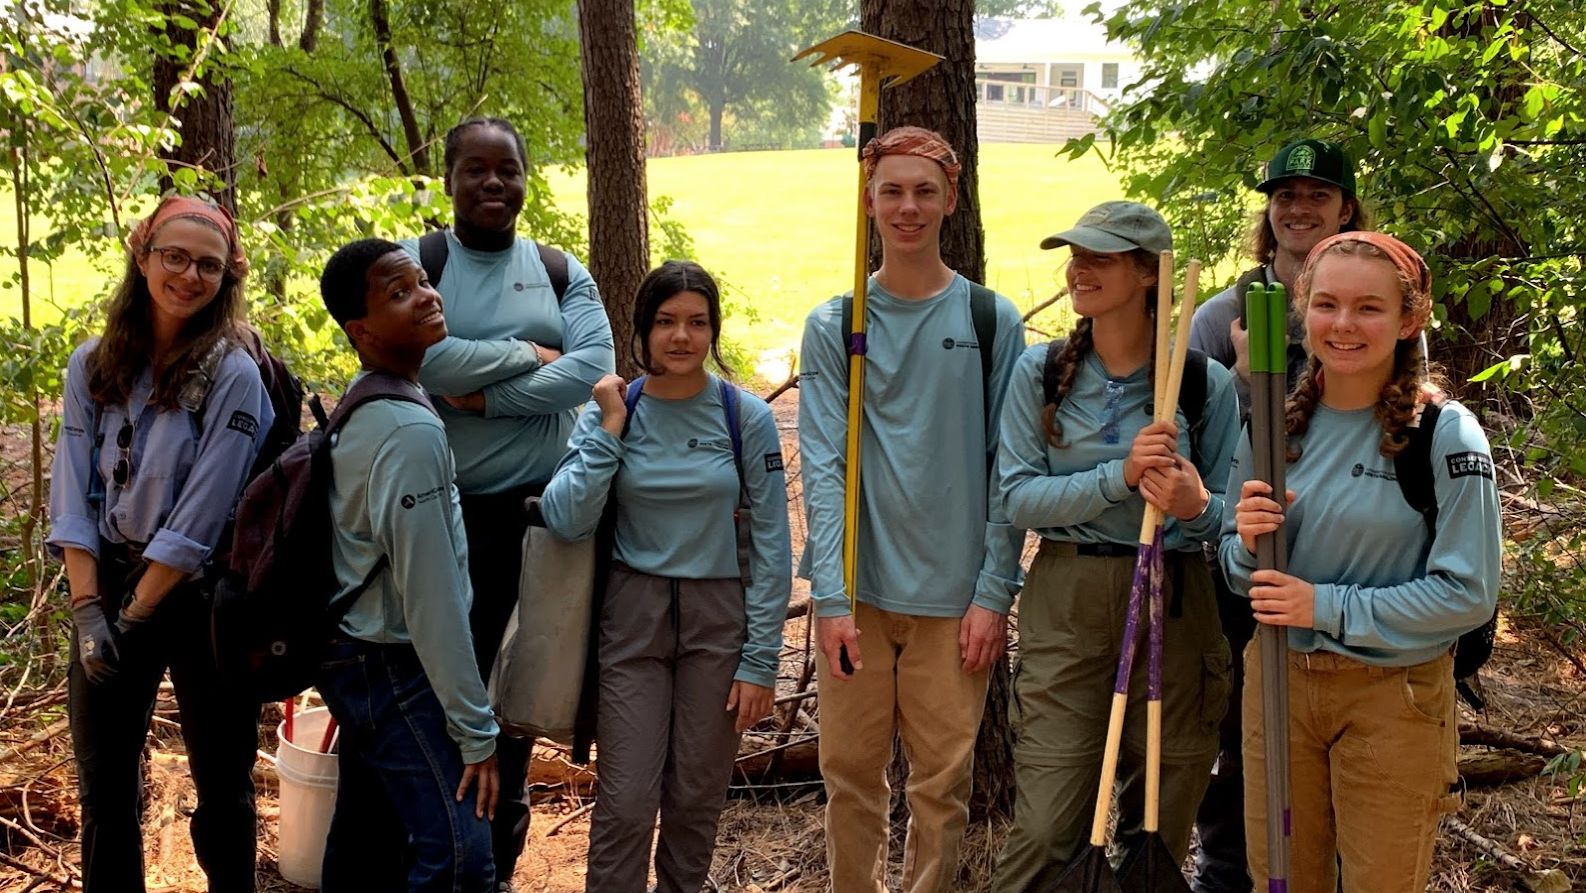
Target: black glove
point(96, 646)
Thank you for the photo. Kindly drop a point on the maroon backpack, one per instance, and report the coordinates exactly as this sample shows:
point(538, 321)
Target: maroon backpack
point(273, 609)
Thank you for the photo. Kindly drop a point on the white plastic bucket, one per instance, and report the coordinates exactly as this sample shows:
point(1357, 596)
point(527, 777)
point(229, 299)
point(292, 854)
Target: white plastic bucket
point(308, 796)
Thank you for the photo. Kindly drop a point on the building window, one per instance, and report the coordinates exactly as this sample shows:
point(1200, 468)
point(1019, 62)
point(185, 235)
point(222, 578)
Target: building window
point(1068, 78)
point(1109, 75)
point(994, 92)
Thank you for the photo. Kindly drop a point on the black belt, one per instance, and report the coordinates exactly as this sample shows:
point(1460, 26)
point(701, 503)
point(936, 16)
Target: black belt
point(1107, 550)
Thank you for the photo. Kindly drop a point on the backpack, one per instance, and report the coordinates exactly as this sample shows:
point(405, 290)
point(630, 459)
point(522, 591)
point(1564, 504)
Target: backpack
point(434, 249)
point(1191, 395)
point(275, 605)
point(1413, 468)
point(982, 310)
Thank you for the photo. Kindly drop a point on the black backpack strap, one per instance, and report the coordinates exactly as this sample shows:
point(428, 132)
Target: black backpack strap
point(1192, 400)
point(433, 251)
point(371, 387)
point(740, 515)
point(1049, 394)
point(555, 268)
point(983, 312)
point(1413, 468)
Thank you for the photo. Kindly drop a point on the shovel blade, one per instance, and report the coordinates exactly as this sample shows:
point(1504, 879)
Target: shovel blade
point(1151, 868)
point(1090, 872)
point(890, 61)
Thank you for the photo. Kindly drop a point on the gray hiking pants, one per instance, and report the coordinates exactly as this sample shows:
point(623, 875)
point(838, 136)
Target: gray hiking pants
point(668, 651)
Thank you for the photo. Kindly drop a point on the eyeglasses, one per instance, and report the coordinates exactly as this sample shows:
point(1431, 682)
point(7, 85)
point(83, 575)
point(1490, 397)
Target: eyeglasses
point(175, 260)
point(1109, 422)
point(122, 472)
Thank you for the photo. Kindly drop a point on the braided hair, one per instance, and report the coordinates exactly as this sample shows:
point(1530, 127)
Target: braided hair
point(1412, 381)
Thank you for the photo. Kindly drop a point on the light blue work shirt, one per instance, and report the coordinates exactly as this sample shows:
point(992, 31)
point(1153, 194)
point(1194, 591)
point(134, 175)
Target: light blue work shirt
point(1386, 593)
point(1077, 493)
point(496, 303)
point(932, 540)
point(393, 497)
point(676, 491)
point(187, 468)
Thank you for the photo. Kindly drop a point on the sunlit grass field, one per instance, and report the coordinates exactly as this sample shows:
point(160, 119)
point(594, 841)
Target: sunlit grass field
point(776, 227)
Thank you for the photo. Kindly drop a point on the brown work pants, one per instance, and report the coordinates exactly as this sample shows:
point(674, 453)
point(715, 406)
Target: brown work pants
point(913, 686)
point(1372, 758)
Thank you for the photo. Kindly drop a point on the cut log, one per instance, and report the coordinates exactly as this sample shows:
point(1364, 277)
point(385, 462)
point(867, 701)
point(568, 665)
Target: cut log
point(1497, 767)
point(1483, 735)
point(799, 760)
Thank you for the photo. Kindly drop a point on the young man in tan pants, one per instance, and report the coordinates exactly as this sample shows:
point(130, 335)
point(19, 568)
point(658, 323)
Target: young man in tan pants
point(937, 566)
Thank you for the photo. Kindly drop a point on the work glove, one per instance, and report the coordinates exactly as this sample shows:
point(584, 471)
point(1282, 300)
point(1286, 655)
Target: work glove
point(134, 614)
point(96, 646)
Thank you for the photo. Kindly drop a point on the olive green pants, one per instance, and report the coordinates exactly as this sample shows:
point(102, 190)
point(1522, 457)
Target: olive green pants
point(1071, 623)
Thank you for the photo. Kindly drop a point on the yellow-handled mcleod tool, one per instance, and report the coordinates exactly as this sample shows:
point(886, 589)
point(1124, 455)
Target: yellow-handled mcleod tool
point(881, 63)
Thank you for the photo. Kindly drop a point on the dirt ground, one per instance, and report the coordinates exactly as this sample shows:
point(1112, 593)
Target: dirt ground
point(771, 836)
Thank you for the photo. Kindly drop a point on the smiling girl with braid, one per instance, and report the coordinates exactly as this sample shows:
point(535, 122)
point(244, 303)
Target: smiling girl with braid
point(1373, 599)
point(1079, 472)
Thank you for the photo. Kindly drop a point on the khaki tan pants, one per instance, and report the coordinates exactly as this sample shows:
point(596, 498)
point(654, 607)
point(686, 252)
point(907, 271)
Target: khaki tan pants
point(1372, 757)
point(912, 685)
point(1071, 619)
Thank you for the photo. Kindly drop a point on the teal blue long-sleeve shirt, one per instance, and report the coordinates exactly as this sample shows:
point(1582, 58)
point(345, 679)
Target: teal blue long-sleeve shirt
point(676, 490)
point(497, 302)
point(393, 497)
point(1077, 494)
point(932, 539)
point(1385, 595)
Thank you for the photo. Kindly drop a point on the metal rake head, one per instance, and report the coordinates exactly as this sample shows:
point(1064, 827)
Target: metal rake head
point(890, 61)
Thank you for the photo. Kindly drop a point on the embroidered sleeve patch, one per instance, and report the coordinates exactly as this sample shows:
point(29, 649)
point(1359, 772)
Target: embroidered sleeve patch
point(1467, 464)
point(243, 423)
point(773, 462)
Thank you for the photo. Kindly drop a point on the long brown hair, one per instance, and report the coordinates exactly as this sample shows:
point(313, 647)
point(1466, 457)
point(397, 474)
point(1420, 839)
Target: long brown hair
point(1262, 242)
point(1412, 381)
point(127, 345)
point(1081, 341)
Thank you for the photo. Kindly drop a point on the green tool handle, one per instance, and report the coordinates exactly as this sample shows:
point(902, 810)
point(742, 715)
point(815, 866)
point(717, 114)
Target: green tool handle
point(1277, 329)
point(1257, 328)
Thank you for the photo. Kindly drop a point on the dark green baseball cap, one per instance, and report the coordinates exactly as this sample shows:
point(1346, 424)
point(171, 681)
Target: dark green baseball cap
point(1115, 227)
point(1316, 159)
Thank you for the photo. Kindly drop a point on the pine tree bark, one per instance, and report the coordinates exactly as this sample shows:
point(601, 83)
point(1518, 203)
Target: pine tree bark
point(619, 252)
point(942, 99)
point(204, 117)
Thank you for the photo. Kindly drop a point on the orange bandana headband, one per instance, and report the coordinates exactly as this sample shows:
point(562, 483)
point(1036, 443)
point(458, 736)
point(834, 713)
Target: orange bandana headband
point(179, 207)
point(1401, 255)
point(912, 141)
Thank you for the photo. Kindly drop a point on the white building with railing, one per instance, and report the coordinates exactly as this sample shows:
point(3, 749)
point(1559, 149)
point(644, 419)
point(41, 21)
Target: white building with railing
point(1046, 80)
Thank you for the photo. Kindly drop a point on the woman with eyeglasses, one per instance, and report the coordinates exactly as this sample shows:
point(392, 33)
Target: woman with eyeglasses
point(1078, 468)
point(162, 417)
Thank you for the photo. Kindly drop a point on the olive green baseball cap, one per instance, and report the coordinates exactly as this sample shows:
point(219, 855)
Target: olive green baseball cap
point(1116, 227)
point(1315, 159)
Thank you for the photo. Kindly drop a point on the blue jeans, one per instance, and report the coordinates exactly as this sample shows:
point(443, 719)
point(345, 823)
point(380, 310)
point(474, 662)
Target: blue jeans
point(397, 825)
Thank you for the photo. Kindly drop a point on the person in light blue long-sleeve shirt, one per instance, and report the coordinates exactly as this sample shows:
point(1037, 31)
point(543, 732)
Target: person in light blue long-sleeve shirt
point(417, 734)
point(517, 362)
point(908, 651)
point(688, 649)
point(1374, 597)
point(1080, 469)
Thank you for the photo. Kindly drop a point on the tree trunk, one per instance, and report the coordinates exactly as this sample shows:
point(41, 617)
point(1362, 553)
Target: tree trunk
point(715, 127)
point(204, 117)
point(418, 157)
point(619, 252)
point(942, 99)
point(272, 14)
point(313, 18)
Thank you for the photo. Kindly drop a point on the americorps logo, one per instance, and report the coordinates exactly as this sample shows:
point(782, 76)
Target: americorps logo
point(950, 343)
point(410, 500)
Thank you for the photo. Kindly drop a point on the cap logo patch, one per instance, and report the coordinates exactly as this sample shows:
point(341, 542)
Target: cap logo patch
point(1303, 158)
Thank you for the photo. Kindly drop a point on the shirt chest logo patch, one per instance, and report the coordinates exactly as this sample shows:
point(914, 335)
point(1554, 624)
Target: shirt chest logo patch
point(695, 443)
point(1470, 464)
point(1362, 471)
point(949, 344)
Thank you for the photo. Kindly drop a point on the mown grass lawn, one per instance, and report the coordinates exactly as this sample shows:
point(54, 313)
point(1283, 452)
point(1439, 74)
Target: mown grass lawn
point(776, 227)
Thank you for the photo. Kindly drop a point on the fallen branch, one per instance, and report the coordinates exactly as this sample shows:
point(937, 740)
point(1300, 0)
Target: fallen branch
point(35, 740)
point(784, 387)
point(1481, 735)
point(1495, 767)
point(1061, 294)
point(569, 818)
point(1549, 880)
point(19, 865)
